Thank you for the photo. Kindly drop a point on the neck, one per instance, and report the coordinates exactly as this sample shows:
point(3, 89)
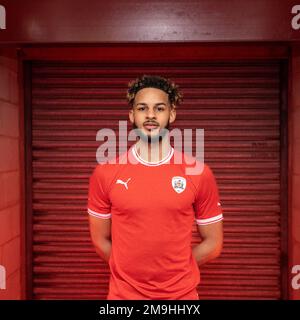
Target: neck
point(153, 152)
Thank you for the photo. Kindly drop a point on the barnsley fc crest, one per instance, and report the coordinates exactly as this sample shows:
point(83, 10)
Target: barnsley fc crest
point(178, 184)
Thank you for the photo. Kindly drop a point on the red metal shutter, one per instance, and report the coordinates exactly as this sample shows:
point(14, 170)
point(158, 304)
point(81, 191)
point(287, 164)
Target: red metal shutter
point(238, 105)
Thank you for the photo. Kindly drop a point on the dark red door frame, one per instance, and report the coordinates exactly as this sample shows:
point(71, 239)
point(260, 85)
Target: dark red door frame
point(149, 52)
point(181, 52)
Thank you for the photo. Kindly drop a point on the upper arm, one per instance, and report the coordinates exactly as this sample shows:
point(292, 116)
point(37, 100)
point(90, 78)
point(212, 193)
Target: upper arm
point(100, 228)
point(99, 206)
point(207, 204)
point(213, 233)
point(208, 210)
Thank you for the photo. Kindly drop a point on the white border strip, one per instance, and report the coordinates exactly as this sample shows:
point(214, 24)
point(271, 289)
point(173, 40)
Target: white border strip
point(99, 215)
point(152, 164)
point(210, 220)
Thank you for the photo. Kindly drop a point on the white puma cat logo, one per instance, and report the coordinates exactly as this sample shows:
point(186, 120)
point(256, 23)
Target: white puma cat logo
point(122, 182)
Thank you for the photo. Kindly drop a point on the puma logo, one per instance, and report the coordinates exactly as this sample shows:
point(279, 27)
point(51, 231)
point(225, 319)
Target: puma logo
point(122, 182)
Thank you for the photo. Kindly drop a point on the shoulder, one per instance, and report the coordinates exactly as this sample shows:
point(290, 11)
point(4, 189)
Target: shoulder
point(196, 168)
point(105, 170)
point(110, 166)
point(105, 173)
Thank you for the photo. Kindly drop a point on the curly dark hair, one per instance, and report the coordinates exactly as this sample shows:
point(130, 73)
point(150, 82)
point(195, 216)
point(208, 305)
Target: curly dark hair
point(147, 81)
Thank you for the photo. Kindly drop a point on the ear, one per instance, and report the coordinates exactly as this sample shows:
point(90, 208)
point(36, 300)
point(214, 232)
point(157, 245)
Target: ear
point(172, 114)
point(131, 117)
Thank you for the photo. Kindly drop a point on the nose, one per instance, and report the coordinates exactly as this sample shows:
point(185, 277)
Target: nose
point(151, 114)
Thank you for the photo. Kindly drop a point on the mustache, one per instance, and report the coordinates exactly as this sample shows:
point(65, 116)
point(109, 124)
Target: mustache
point(151, 122)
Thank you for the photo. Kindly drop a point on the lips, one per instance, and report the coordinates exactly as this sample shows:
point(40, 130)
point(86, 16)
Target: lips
point(150, 125)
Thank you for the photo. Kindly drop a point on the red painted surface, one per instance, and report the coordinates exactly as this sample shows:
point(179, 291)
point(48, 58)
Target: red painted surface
point(10, 218)
point(236, 103)
point(66, 52)
point(66, 21)
point(156, 52)
point(69, 21)
point(294, 168)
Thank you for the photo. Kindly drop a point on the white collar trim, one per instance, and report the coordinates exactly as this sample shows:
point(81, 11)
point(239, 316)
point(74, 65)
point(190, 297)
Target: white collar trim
point(152, 164)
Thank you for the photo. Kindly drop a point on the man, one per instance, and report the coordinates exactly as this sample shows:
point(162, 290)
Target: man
point(141, 213)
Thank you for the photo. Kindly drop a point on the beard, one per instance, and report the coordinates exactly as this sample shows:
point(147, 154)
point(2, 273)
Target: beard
point(151, 138)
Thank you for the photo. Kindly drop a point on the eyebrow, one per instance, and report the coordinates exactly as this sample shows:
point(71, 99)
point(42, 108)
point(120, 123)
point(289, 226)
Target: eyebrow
point(156, 104)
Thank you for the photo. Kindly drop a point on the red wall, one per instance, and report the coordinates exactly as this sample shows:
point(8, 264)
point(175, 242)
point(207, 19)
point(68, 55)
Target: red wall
point(11, 144)
point(66, 21)
point(10, 207)
point(294, 166)
point(95, 21)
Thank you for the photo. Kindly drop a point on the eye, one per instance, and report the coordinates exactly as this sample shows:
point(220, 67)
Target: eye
point(160, 109)
point(141, 108)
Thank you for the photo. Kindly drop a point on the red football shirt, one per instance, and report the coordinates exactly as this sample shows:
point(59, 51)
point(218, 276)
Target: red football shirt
point(153, 207)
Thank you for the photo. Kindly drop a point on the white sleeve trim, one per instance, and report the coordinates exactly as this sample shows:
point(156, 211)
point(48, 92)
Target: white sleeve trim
point(209, 220)
point(99, 215)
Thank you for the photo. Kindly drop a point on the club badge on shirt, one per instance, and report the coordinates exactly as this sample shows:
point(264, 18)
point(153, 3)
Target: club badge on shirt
point(178, 184)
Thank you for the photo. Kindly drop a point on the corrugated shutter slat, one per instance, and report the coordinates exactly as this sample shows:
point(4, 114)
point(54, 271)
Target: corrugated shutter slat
point(238, 105)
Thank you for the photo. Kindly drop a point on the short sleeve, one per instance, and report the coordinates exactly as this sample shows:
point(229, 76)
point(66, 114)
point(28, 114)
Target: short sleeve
point(207, 204)
point(98, 201)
